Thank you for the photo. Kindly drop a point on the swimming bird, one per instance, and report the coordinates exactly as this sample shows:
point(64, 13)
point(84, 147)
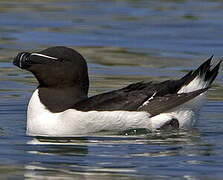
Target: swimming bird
point(60, 105)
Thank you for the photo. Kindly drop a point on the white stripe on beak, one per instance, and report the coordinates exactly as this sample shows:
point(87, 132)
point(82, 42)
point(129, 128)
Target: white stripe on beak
point(45, 56)
point(20, 60)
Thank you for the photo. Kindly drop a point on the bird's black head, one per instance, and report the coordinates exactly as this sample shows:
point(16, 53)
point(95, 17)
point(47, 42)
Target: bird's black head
point(56, 67)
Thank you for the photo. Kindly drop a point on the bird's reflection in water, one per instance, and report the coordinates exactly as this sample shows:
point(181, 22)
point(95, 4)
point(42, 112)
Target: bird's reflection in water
point(58, 158)
point(62, 158)
point(59, 146)
point(93, 157)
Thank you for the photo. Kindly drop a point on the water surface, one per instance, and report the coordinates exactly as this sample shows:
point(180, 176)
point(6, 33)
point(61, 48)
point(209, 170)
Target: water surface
point(124, 41)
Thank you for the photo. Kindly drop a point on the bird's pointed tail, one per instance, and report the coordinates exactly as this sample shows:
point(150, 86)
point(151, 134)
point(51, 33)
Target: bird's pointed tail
point(200, 78)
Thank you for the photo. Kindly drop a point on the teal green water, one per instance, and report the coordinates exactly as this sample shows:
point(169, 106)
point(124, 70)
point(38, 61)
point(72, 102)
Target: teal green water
point(124, 41)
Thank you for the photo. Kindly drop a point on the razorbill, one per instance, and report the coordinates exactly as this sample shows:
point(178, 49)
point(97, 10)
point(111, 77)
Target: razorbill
point(60, 105)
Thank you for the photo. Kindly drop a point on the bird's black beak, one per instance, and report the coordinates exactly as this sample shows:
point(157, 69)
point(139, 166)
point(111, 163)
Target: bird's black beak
point(22, 60)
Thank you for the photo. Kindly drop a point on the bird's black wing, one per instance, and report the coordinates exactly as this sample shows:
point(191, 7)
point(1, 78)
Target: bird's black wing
point(132, 97)
point(159, 104)
point(128, 98)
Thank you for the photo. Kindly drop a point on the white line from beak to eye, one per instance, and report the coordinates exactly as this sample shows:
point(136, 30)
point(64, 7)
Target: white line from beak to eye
point(42, 55)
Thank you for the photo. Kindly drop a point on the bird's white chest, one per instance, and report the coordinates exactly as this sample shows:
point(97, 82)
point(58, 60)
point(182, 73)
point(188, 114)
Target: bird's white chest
point(39, 118)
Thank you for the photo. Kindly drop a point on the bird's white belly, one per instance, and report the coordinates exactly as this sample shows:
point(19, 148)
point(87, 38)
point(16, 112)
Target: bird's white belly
point(73, 122)
point(42, 122)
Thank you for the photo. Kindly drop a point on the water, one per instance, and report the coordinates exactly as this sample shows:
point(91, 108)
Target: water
point(124, 41)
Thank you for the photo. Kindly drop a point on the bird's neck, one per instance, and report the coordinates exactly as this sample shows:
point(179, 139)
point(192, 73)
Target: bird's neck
point(60, 99)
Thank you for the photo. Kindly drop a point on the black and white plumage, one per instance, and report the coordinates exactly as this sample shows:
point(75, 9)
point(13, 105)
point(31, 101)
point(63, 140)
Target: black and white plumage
point(60, 106)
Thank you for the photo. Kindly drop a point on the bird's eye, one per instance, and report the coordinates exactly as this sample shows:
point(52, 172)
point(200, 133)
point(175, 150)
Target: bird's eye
point(60, 60)
point(63, 60)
